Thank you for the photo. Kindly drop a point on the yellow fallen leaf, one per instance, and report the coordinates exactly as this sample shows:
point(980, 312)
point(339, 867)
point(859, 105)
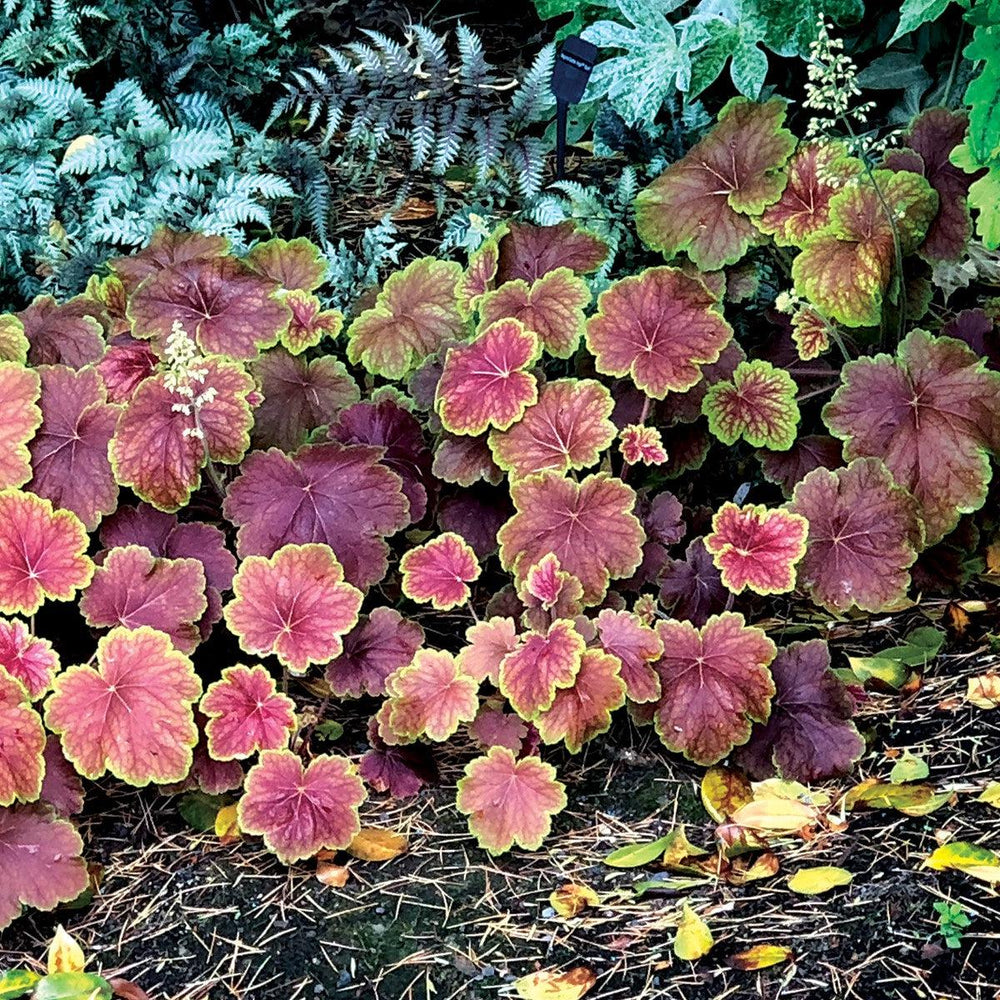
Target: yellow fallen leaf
point(375, 844)
point(984, 691)
point(913, 800)
point(991, 794)
point(65, 954)
point(227, 826)
point(570, 985)
point(78, 145)
point(693, 939)
point(971, 859)
point(760, 956)
point(680, 855)
point(332, 874)
point(763, 867)
point(822, 878)
point(723, 791)
point(775, 815)
point(572, 899)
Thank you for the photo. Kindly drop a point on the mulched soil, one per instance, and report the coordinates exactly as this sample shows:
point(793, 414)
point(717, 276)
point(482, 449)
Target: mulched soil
point(188, 918)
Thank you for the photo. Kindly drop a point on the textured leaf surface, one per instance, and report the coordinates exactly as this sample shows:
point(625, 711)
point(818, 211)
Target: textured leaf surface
point(715, 684)
point(294, 264)
point(493, 727)
point(701, 203)
point(932, 414)
point(552, 308)
point(431, 697)
point(810, 334)
point(340, 495)
point(69, 454)
point(40, 863)
point(13, 342)
point(132, 587)
point(27, 659)
point(294, 604)
point(376, 647)
point(484, 384)
point(588, 526)
point(659, 327)
point(390, 426)
point(42, 553)
point(465, 460)
point(528, 252)
point(812, 451)
point(125, 364)
point(246, 713)
point(509, 801)
point(299, 811)
point(19, 391)
point(155, 450)
point(399, 770)
point(220, 302)
point(488, 643)
point(844, 268)
point(310, 322)
point(165, 248)
point(582, 711)
point(758, 405)
point(439, 571)
point(692, 586)
point(757, 548)
point(61, 787)
point(927, 150)
point(131, 715)
point(816, 172)
point(22, 745)
point(539, 666)
point(864, 533)
point(809, 736)
point(549, 587)
point(568, 428)
point(416, 312)
point(299, 396)
point(69, 333)
point(640, 443)
point(637, 648)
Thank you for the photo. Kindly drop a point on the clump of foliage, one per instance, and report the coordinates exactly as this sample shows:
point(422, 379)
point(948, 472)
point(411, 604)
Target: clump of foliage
point(474, 500)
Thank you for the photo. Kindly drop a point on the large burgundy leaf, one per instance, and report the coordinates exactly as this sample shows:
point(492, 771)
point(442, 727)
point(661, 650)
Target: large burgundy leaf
point(219, 301)
point(715, 683)
point(812, 451)
point(69, 454)
point(40, 862)
point(528, 252)
point(133, 587)
point(165, 248)
point(659, 327)
point(299, 396)
point(132, 714)
point(932, 414)
point(301, 810)
point(67, 334)
point(388, 425)
point(692, 586)
point(334, 493)
point(864, 534)
point(809, 736)
point(928, 146)
point(702, 203)
point(376, 647)
point(161, 443)
point(476, 515)
point(589, 526)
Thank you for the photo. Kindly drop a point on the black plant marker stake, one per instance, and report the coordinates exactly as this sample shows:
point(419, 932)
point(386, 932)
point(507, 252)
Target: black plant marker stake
point(570, 74)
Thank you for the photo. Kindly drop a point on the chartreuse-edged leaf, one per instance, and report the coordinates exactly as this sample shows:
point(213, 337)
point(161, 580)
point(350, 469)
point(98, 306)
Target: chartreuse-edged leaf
point(17, 983)
point(758, 404)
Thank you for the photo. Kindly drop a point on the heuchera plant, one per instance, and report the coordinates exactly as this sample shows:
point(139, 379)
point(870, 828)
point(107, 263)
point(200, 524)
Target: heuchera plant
point(454, 504)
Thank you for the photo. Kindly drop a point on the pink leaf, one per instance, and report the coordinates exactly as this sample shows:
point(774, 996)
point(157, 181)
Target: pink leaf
point(246, 714)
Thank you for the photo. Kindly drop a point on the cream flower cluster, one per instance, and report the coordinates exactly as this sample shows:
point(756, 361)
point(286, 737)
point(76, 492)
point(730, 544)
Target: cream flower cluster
point(183, 375)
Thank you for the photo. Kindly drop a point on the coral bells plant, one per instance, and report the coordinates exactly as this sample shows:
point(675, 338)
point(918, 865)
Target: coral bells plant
point(478, 506)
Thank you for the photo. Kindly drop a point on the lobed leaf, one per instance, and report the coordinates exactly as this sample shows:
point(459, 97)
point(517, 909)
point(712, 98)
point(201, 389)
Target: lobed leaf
point(246, 714)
